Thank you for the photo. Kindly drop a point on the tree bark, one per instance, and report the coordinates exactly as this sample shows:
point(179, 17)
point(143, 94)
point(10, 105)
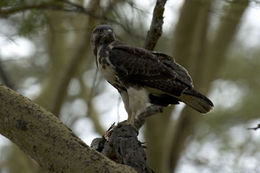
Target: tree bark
point(155, 31)
point(42, 136)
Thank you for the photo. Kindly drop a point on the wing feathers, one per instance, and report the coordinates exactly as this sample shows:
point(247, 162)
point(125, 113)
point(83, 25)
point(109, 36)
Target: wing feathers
point(143, 68)
point(136, 62)
point(196, 100)
point(183, 74)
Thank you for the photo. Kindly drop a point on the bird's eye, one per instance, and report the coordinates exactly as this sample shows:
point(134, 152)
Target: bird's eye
point(98, 31)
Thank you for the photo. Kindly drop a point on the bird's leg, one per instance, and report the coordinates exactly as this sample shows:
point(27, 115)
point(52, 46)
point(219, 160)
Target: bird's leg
point(137, 120)
point(131, 118)
point(149, 111)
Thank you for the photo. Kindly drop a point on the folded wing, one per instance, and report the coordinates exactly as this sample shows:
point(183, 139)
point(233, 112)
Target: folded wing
point(157, 72)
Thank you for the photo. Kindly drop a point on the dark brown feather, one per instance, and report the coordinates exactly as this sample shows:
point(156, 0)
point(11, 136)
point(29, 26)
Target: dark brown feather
point(134, 69)
point(183, 74)
point(137, 66)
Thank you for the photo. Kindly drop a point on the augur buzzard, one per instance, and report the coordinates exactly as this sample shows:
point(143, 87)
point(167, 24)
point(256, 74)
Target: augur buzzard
point(143, 77)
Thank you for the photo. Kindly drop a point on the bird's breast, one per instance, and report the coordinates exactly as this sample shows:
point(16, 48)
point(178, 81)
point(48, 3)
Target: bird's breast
point(105, 66)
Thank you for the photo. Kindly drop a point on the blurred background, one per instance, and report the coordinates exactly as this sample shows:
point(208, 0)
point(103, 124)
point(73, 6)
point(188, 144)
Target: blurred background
point(45, 55)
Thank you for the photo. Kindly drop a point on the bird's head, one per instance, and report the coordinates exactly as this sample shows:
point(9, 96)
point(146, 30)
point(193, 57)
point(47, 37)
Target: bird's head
point(102, 35)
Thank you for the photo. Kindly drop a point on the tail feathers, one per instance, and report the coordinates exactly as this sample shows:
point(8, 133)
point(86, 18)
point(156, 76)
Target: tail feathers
point(196, 100)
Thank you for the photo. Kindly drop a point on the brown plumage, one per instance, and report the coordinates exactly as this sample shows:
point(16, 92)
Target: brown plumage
point(155, 76)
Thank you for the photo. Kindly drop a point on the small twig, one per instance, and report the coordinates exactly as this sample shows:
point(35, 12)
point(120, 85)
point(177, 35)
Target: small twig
point(61, 5)
point(254, 128)
point(93, 87)
point(156, 26)
point(43, 6)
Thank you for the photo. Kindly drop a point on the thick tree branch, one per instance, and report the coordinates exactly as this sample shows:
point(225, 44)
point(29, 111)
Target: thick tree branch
point(42, 136)
point(155, 31)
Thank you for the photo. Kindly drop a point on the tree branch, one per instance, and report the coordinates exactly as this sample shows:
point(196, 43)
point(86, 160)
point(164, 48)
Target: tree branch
point(42, 136)
point(254, 128)
point(155, 31)
point(55, 5)
point(152, 37)
point(60, 5)
point(149, 111)
point(121, 144)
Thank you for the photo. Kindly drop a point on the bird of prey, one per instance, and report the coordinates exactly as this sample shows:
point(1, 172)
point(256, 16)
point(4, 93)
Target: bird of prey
point(142, 77)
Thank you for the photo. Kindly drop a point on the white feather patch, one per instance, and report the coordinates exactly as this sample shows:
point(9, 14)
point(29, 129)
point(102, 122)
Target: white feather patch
point(138, 100)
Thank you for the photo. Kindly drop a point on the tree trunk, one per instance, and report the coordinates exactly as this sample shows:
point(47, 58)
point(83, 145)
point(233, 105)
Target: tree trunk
point(42, 136)
point(204, 61)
